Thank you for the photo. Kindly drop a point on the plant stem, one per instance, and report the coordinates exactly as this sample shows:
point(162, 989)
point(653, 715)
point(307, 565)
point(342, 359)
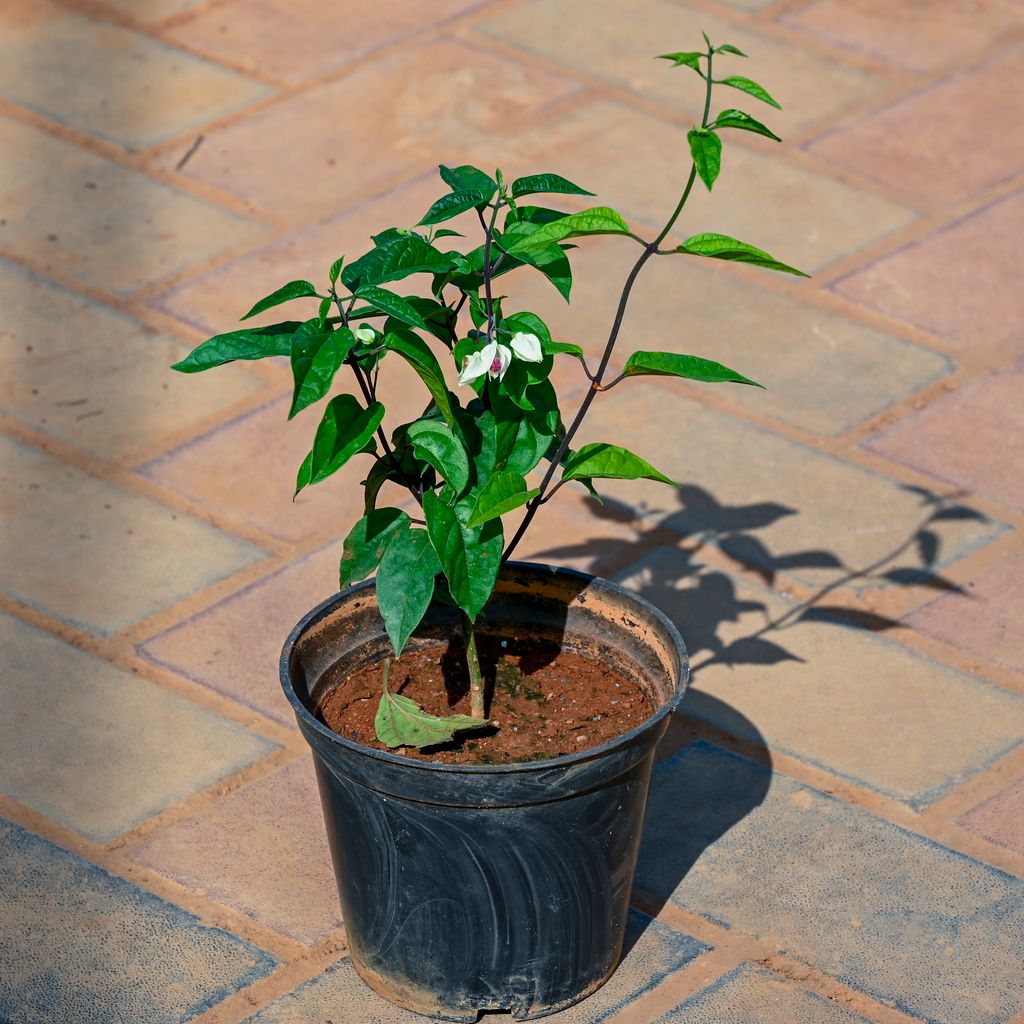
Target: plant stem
point(476, 679)
point(370, 396)
point(487, 269)
point(596, 381)
point(707, 94)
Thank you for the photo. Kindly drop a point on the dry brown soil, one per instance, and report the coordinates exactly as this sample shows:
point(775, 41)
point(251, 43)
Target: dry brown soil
point(544, 701)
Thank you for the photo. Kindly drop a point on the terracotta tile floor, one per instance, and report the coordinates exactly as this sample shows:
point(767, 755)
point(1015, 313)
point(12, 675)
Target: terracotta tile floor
point(835, 828)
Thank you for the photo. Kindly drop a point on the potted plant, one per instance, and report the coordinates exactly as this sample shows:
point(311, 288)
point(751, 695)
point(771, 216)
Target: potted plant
point(487, 864)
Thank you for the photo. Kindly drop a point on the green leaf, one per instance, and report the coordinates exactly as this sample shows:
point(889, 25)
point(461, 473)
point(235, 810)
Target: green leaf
point(447, 233)
point(547, 183)
point(690, 59)
point(336, 269)
point(752, 88)
point(469, 556)
point(366, 542)
point(287, 292)
point(737, 119)
point(706, 150)
point(524, 438)
point(395, 259)
point(611, 462)
point(729, 48)
point(252, 343)
point(598, 220)
point(670, 364)
point(468, 178)
point(504, 492)
point(344, 430)
point(530, 323)
point(455, 203)
point(552, 262)
point(316, 358)
point(533, 215)
point(434, 443)
point(401, 722)
point(435, 315)
point(554, 348)
point(380, 473)
point(392, 304)
point(526, 323)
point(405, 583)
point(424, 362)
point(724, 247)
point(477, 429)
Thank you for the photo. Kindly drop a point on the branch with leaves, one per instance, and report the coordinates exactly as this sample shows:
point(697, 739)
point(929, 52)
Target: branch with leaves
point(494, 444)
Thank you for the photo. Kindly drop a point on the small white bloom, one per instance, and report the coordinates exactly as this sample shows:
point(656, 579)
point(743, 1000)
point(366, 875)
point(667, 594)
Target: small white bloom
point(492, 359)
point(365, 334)
point(527, 347)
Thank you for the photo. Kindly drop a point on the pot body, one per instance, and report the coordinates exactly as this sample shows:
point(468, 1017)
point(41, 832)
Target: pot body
point(487, 887)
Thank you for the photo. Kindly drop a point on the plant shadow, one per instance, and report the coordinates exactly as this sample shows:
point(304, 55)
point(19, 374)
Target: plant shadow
point(712, 607)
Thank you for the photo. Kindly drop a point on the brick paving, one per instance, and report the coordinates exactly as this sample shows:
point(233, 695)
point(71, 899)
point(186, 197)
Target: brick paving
point(835, 828)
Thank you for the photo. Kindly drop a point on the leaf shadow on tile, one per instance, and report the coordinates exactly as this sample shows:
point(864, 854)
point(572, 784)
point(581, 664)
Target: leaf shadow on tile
point(710, 599)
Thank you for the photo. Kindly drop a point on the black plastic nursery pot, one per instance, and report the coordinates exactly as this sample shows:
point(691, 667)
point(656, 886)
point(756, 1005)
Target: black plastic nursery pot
point(487, 887)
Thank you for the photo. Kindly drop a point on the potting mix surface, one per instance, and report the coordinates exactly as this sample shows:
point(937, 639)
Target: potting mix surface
point(836, 827)
point(544, 702)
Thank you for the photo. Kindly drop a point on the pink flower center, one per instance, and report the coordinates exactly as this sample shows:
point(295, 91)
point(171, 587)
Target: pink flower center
point(496, 365)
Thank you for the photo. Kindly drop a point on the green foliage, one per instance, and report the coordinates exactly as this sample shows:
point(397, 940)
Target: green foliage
point(467, 178)
point(287, 292)
point(723, 247)
point(398, 257)
point(453, 204)
point(669, 364)
point(531, 238)
point(316, 354)
point(405, 583)
point(609, 461)
point(252, 343)
point(706, 150)
point(417, 353)
point(737, 119)
point(392, 304)
point(689, 59)
point(469, 555)
point(502, 493)
point(401, 722)
point(346, 428)
point(751, 88)
point(549, 183)
point(464, 456)
point(434, 443)
point(365, 544)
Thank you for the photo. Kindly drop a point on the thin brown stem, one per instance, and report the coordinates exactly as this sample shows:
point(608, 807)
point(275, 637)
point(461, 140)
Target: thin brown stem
point(596, 385)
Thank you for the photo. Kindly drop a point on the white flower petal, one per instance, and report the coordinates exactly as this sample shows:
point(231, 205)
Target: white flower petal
point(365, 334)
point(499, 364)
point(479, 363)
point(527, 347)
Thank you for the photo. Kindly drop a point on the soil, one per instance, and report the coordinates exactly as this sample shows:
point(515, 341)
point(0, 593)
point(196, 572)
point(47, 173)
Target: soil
point(544, 701)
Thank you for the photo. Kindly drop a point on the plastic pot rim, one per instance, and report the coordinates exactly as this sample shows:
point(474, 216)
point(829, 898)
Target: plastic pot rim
point(311, 722)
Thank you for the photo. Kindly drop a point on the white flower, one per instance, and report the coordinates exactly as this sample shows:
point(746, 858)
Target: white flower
point(365, 334)
point(492, 359)
point(527, 347)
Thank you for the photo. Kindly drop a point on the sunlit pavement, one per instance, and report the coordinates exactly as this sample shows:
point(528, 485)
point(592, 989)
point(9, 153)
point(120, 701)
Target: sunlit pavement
point(836, 828)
